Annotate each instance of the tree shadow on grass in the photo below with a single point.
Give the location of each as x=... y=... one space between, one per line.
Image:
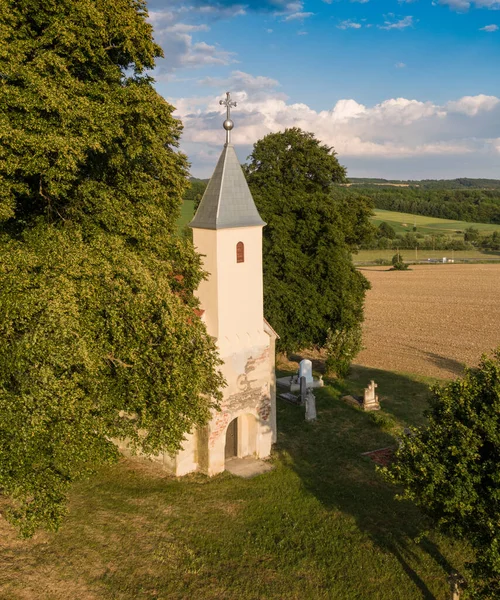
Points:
x=327 y=456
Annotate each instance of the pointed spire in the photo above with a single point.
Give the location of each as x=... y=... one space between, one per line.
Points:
x=227 y=201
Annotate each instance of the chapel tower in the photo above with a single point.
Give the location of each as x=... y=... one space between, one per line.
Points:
x=227 y=232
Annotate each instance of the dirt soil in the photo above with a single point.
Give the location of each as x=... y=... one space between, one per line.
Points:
x=432 y=319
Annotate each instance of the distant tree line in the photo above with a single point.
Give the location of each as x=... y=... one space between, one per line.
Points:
x=472 y=205
x=385 y=238
x=442 y=184
x=195 y=191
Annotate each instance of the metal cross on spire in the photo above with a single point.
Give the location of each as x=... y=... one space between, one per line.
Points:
x=228 y=124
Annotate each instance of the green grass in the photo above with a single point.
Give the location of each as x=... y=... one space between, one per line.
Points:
x=366 y=256
x=404 y=222
x=187 y=212
x=322 y=525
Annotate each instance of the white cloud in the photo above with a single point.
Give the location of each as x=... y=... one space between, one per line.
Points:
x=239 y=81
x=299 y=16
x=402 y=23
x=400 y=65
x=472 y=105
x=185 y=28
x=489 y=28
x=397 y=130
x=349 y=24
x=464 y=5
x=175 y=37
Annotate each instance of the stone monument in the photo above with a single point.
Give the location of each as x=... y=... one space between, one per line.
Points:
x=306 y=370
x=368 y=402
x=310 y=406
x=370 y=398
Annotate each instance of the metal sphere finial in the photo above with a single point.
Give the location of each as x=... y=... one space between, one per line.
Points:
x=228 y=124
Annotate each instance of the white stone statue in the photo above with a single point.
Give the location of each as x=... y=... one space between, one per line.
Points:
x=310 y=406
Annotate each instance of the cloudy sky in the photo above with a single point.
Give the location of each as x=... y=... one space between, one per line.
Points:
x=400 y=88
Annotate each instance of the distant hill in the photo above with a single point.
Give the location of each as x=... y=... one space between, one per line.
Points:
x=462 y=199
x=462 y=183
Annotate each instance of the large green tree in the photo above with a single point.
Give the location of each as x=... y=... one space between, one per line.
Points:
x=311 y=289
x=99 y=335
x=451 y=468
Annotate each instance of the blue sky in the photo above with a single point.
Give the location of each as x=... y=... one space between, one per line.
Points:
x=401 y=89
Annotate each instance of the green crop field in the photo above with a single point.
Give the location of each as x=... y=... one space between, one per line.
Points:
x=404 y=222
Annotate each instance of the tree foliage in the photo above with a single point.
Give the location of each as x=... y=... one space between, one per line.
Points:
x=450 y=468
x=195 y=192
x=99 y=336
x=385 y=230
x=398 y=263
x=310 y=285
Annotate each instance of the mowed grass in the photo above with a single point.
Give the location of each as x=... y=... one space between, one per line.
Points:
x=404 y=222
x=322 y=525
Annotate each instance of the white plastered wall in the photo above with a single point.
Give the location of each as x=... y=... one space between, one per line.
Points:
x=232 y=299
x=233 y=295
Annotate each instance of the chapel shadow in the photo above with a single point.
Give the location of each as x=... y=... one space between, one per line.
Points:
x=445 y=363
x=327 y=456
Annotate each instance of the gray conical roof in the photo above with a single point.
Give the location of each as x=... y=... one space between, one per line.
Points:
x=227 y=201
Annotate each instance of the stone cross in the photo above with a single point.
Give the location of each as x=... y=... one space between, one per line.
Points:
x=370 y=400
x=228 y=123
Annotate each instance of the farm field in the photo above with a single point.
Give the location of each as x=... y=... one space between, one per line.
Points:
x=431 y=319
x=404 y=222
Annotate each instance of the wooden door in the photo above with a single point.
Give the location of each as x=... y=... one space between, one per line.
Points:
x=231 y=449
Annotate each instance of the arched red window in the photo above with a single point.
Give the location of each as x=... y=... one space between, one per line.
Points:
x=240 y=252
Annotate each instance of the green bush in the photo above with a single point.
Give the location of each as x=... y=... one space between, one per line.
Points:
x=342 y=346
x=398 y=263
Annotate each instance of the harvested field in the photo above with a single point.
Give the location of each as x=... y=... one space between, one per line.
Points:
x=431 y=320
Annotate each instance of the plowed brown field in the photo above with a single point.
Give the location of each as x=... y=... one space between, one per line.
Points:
x=431 y=320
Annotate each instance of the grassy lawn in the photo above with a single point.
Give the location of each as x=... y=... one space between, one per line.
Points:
x=322 y=524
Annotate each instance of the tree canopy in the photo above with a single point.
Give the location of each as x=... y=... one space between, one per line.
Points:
x=311 y=288
x=385 y=230
x=99 y=334
x=450 y=468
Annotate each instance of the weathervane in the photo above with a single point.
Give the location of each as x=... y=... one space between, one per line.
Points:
x=228 y=124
